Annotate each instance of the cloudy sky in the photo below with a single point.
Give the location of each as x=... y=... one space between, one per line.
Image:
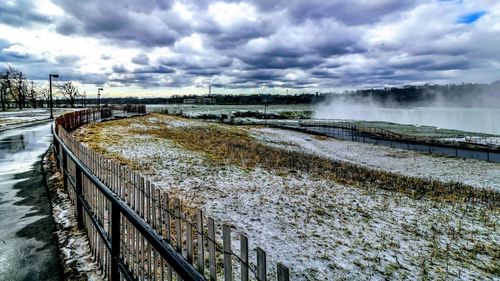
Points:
x=154 y=47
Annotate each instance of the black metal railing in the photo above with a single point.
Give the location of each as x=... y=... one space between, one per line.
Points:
x=111 y=236
x=136 y=230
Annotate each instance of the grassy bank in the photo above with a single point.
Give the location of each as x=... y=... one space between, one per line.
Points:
x=328 y=219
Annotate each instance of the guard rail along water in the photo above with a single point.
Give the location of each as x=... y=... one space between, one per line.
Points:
x=136 y=231
x=379 y=136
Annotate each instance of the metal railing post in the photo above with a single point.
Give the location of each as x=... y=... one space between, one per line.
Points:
x=65 y=169
x=115 y=242
x=79 y=192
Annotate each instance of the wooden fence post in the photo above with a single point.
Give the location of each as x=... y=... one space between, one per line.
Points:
x=199 y=239
x=178 y=225
x=189 y=242
x=211 y=250
x=166 y=217
x=244 y=257
x=283 y=272
x=261 y=265
x=228 y=266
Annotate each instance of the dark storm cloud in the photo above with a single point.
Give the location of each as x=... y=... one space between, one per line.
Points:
x=7 y=56
x=231 y=37
x=432 y=63
x=269 y=61
x=146 y=23
x=119 y=69
x=141 y=59
x=21 y=13
x=196 y=62
x=154 y=69
x=204 y=71
x=261 y=75
x=352 y=12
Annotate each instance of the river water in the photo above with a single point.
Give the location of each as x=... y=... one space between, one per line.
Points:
x=480 y=120
x=28 y=249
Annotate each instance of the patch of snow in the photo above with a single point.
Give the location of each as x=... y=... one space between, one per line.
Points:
x=73 y=243
x=472 y=172
x=326 y=231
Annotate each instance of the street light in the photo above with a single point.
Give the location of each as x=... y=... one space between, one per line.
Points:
x=99 y=97
x=50 y=89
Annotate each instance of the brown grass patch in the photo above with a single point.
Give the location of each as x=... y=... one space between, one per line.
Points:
x=223 y=144
x=320 y=137
x=93 y=136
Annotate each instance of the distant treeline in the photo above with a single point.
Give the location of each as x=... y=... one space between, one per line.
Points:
x=228 y=99
x=450 y=94
x=460 y=94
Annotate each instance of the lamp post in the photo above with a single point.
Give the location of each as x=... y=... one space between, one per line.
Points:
x=99 y=97
x=50 y=90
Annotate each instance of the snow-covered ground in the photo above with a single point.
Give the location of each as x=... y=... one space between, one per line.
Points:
x=492 y=141
x=73 y=244
x=469 y=171
x=323 y=230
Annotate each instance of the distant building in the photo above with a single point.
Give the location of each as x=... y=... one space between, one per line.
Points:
x=199 y=101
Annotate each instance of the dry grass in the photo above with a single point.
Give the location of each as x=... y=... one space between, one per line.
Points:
x=93 y=137
x=223 y=144
x=447 y=247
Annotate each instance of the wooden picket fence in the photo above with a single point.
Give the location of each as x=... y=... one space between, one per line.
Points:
x=215 y=251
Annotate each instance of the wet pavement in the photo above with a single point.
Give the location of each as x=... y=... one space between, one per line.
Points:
x=28 y=249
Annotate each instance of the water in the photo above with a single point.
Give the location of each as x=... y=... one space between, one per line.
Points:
x=480 y=120
x=217 y=109
x=28 y=248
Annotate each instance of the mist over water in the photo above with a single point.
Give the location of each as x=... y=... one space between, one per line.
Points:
x=472 y=119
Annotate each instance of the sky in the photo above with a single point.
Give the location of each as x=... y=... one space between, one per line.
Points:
x=165 y=47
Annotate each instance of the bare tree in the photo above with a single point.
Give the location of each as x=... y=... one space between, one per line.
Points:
x=44 y=94
x=32 y=95
x=16 y=85
x=3 y=90
x=70 y=92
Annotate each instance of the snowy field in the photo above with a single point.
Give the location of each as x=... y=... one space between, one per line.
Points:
x=321 y=229
x=477 y=173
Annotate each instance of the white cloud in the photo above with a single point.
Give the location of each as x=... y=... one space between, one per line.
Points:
x=232 y=14
x=256 y=43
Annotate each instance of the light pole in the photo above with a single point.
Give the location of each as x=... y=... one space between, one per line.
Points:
x=99 y=97
x=50 y=90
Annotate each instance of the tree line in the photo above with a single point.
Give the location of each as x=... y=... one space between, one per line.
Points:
x=464 y=94
x=16 y=91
